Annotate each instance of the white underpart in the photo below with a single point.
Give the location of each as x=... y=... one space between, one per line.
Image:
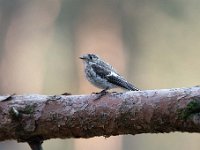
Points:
x=97 y=80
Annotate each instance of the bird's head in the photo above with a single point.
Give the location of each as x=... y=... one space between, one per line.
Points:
x=89 y=58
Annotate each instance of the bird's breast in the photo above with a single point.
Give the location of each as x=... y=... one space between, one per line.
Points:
x=96 y=80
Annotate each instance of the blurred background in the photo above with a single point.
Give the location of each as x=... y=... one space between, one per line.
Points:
x=154 y=44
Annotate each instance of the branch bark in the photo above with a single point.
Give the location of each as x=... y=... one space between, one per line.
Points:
x=81 y=116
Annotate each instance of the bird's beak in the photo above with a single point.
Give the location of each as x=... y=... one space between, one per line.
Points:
x=82 y=57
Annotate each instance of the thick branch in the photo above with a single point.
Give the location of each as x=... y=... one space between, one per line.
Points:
x=154 y=111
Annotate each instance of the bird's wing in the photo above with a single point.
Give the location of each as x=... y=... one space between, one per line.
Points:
x=119 y=81
x=100 y=71
x=113 y=77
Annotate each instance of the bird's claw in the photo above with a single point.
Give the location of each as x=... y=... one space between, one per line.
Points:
x=101 y=94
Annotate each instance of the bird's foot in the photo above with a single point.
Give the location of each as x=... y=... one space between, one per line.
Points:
x=101 y=94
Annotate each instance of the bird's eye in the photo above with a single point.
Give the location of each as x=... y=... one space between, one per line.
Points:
x=90 y=56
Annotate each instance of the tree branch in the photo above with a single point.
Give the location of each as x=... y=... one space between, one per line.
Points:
x=154 y=111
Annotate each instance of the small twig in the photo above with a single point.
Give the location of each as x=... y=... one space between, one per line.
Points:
x=66 y=93
x=7 y=98
x=35 y=143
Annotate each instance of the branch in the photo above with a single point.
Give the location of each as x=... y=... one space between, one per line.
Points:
x=81 y=116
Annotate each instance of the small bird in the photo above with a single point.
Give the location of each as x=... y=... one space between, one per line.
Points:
x=103 y=75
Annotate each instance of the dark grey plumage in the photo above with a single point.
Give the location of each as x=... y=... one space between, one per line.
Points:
x=103 y=75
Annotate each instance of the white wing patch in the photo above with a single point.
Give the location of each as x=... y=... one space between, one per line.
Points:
x=112 y=74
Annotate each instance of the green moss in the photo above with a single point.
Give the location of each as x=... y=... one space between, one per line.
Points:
x=192 y=108
x=29 y=109
x=17 y=113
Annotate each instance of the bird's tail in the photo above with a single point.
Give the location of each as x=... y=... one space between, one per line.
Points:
x=131 y=87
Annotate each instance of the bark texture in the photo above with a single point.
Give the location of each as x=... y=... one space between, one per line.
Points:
x=23 y=117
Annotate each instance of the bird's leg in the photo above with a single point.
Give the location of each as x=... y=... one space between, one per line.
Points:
x=102 y=93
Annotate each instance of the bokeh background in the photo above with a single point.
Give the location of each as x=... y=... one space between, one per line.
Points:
x=154 y=44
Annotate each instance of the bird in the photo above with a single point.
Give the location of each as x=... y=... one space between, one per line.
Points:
x=103 y=75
